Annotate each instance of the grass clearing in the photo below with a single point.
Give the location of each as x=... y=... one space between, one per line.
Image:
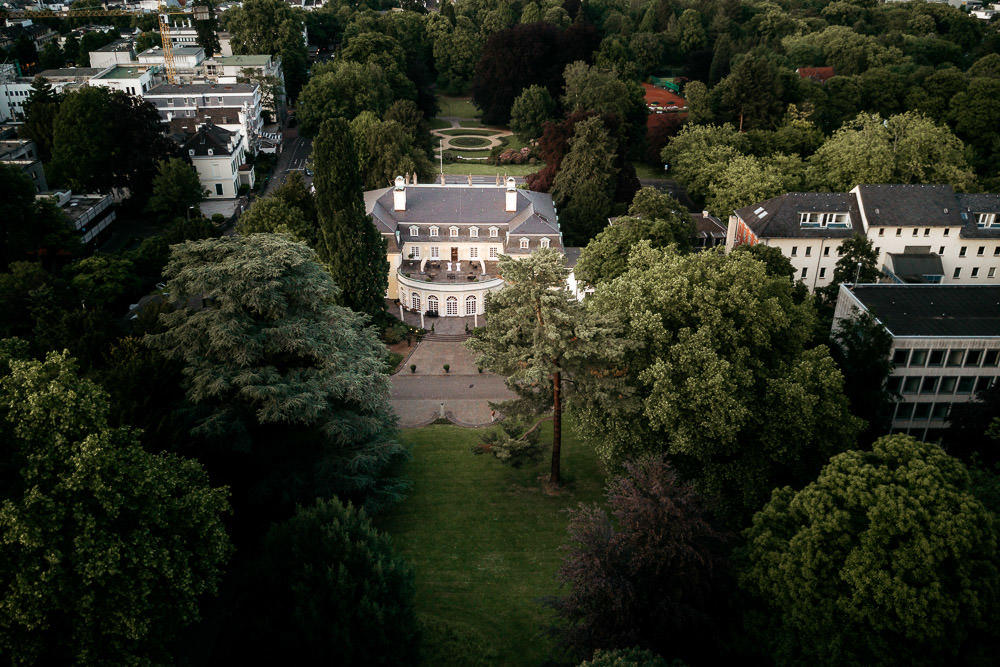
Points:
x=438 y=124
x=643 y=170
x=484 y=540
x=464 y=168
x=457 y=107
x=465 y=153
x=470 y=123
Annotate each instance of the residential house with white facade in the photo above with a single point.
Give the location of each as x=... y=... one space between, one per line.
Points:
x=945 y=346
x=444 y=241
x=921 y=233
x=219 y=156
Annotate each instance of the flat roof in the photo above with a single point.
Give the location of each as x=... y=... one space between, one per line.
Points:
x=933 y=310
x=124 y=73
x=243 y=60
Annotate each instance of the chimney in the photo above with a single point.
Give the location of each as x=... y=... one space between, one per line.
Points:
x=511 y=195
x=399 y=194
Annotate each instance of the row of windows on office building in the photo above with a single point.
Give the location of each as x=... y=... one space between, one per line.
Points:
x=937 y=384
x=922 y=411
x=954 y=358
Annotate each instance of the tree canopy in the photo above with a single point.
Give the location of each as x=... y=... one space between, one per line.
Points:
x=887 y=558
x=717 y=375
x=106 y=549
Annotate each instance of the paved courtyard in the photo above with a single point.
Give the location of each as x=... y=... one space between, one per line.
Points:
x=464 y=393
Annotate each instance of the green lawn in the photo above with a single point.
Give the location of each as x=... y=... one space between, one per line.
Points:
x=484 y=541
x=489 y=169
x=457 y=107
x=470 y=123
x=438 y=124
x=466 y=153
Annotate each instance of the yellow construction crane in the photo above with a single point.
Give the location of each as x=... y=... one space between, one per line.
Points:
x=200 y=13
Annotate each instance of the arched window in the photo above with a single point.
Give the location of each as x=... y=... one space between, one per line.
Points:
x=415 y=301
x=524 y=244
x=544 y=243
x=493 y=232
x=453 y=232
x=413 y=230
x=474 y=232
x=434 y=231
x=470 y=305
x=432 y=304
x=452 y=306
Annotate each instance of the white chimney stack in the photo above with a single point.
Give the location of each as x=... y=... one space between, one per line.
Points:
x=511 y=195
x=399 y=194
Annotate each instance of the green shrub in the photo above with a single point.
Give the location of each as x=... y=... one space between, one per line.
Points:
x=392 y=361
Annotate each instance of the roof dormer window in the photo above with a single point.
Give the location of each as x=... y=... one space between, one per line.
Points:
x=494 y=231
x=524 y=244
x=544 y=243
x=453 y=232
x=434 y=231
x=812 y=220
x=413 y=230
x=987 y=220
x=474 y=232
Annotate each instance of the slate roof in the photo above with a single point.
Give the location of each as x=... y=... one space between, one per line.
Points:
x=464 y=206
x=971 y=204
x=211 y=136
x=909 y=205
x=934 y=310
x=779 y=217
x=572 y=256
x=706 y=226
x=202 y=89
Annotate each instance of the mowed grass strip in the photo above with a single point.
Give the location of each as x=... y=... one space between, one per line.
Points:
x=464 y=168
x=484 y=540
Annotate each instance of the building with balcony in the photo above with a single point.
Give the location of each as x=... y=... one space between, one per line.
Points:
x=945 y=346
x=90 y=215
x=232 y=106
x=921 y=233
x=444 y=241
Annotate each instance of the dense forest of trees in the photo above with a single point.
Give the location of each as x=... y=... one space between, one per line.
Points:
x=199 y=425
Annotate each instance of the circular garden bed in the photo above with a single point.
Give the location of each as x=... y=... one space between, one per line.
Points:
x=470 y=142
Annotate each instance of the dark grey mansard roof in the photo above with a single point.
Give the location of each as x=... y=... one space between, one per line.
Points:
x=463 y=206
x=978 y=203
x=779 y=217
x=934 y=310
x=910 y=205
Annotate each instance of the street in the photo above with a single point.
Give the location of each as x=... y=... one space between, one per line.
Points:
x=293 y=158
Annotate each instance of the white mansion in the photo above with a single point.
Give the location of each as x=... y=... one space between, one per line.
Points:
x=443 y=241
x=921 y=233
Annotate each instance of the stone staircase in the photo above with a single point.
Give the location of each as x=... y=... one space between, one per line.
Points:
x=445 y=338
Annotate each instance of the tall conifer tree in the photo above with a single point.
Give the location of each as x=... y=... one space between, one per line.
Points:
x=349 y=245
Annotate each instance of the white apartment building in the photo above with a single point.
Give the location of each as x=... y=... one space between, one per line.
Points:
x=219 y=157
x=183 y=33
x=945 y=346
x=921 y=233
x=14 y=91
x=235 y=107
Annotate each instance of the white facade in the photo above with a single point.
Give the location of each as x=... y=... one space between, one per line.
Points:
x=969 y=252
x=132 y=80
